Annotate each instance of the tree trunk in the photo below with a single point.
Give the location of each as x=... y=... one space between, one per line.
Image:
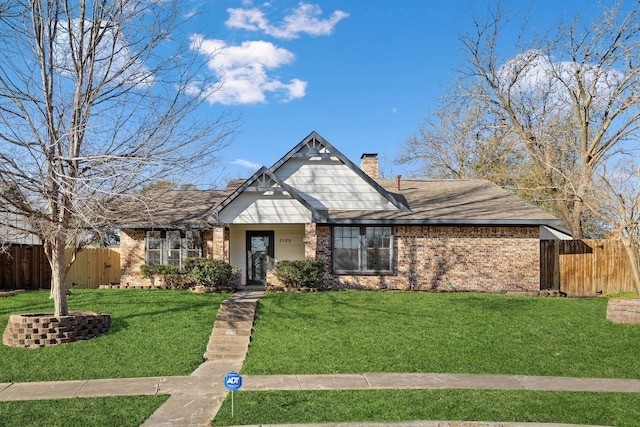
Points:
x=635 y=271
x=58 y=273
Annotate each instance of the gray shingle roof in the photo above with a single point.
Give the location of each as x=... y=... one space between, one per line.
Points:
x=177 y=208
x=432 y=202
x=451 y=202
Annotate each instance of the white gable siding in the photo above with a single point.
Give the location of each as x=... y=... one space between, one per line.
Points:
x=330 y=184
x=256 y=208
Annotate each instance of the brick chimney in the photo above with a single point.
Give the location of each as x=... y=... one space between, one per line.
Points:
x=369 y=164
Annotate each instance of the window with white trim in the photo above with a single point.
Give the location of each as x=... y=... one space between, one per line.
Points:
x=172 y=247
x=362 y=249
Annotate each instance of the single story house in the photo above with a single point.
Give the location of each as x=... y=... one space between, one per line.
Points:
x=314 y=203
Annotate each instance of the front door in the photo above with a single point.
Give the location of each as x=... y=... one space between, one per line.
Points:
x=259 y=255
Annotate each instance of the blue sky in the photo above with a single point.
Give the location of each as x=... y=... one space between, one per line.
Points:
x=361 y=73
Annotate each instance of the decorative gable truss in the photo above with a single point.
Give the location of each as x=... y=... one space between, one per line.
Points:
x=330 y=181
x=314 y=147
x=265 y=199
x=311 y=180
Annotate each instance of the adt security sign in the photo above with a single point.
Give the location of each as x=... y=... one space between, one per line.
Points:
x=232 y=381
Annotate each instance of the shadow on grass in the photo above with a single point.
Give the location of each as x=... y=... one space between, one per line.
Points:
x=314 y=307
x=478 y=302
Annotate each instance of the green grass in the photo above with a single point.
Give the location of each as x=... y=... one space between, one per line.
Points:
x=152 y=333
x=106 y=411
x=280 y=407
x=356 y=331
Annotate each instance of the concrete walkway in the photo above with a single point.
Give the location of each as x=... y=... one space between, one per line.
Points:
x=196 y=399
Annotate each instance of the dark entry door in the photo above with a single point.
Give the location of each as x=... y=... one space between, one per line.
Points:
x=259 y=255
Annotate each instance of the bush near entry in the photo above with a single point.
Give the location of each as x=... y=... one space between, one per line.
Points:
x=170 y=274
x=208 y=272
x=300 y=273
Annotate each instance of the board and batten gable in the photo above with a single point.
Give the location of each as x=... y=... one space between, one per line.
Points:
x=328 y=184
x=264 y=199
x=257 y=208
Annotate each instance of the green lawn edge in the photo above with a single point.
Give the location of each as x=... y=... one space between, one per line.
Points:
x=122 y=411
x=474 y=333
x=304 y=407
x=152 y=333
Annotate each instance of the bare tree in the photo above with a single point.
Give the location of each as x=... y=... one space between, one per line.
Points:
x=568 y=103
x=456 y=142
x=96 y=100
x=615 y=199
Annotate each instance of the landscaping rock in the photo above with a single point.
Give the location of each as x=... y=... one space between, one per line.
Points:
x=43 y=330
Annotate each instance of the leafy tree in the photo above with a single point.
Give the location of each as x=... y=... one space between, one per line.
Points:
x=96 y=101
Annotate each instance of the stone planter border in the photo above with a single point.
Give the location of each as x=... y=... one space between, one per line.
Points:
x=6 y=294
x=624 y=311
x=42 y=330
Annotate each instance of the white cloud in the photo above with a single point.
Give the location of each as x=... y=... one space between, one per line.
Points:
x=538 y=74
x=247 y=164
x=113 y=59
x=305 y=19
x=242 y=70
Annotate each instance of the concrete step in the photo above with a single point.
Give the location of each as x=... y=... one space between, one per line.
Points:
x=215 y=347
x=246 y=317
x=224 y=356
x=248 y=304
x=232 y=324
x=236 y=309
x=238 y=305
x=231 y=339
x=231 y=332
x=245 y=313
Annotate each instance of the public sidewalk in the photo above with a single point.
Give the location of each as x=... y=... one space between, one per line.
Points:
x=196 y=398
x=208 y=378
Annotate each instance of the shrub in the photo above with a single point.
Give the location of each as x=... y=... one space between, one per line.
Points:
x=170 y=274
x=209 y=272
x=300 y=273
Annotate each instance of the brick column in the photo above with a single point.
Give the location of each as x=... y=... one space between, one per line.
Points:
x=132 y=256
x=220 y=243
x=310 y=241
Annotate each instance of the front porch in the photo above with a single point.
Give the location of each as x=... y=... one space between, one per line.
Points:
x=255 y=248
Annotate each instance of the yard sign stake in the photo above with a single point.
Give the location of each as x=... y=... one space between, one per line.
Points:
x=232 y=382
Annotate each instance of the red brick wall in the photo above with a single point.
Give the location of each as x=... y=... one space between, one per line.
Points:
x=428 y=258
x=216 y=243
x=132 y=257
x=310 y=241
x=442 y=258
x=132 y=253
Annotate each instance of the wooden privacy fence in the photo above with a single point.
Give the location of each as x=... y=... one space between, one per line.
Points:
x=94 y=267
x=585 y=267
x=26 y=267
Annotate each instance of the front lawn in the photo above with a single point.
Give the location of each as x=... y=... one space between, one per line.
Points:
x=122 y=411
x=359 y=331
x=387 y=406
x=152 y=333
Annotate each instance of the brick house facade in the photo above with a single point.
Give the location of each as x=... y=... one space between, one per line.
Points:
x=369 y=232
